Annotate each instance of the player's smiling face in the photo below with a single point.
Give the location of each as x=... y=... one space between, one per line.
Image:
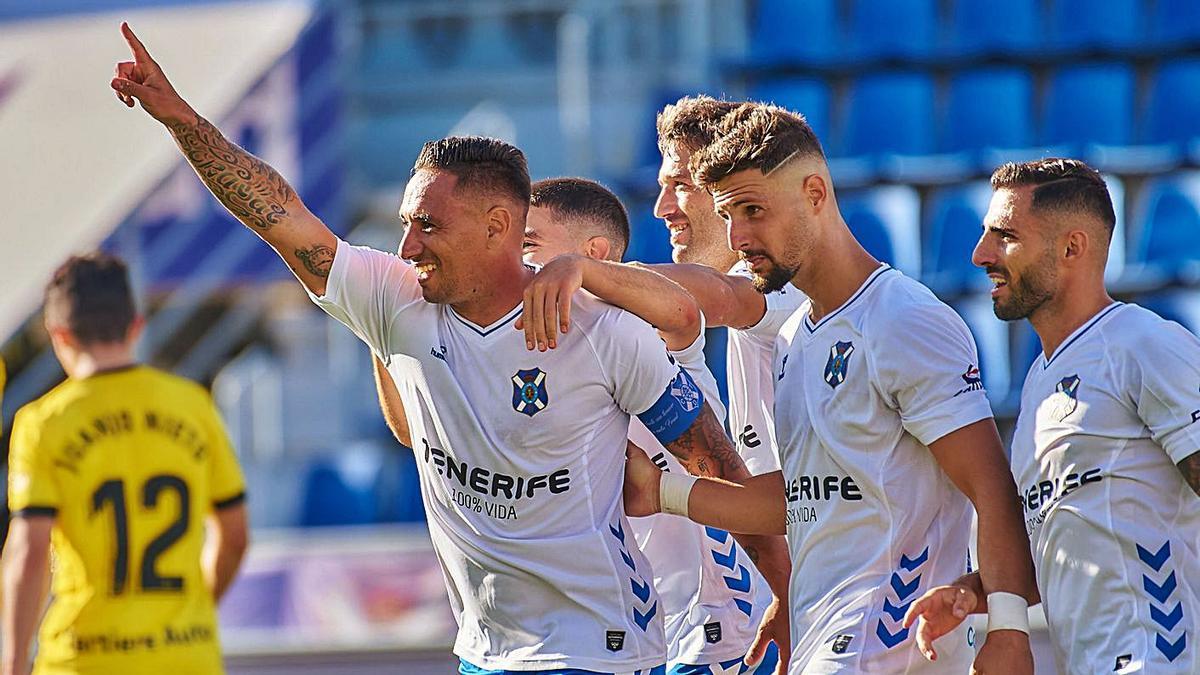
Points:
x=443 y=237
x=697 y=232
x=1017 y=252
x=767 y=224
x=546 y=237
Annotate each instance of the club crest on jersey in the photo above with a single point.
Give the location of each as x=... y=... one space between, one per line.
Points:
x=529 y=392
x=1066 y=397
x=685 y=391
x=839 y=360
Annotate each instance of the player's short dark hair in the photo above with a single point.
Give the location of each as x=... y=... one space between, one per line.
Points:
x=690 y=122
x=486 y=164
x=754 y=136
x=585 y=200
x=90 y=296
x=1060 y=184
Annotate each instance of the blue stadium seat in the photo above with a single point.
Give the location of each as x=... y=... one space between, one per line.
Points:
x=1090 y=104
x=987 y=27
x=1089 y=25
x=1173 y=114
x=904 y=29
x=887 y=222
x=955 y=222
x=805 y=96
x=342 y=490
x=648 y=240
x=992 y=341
x=1167 y=215
x=1174 y=22
x=795 y=31
x=989 y=108
x=890 y=113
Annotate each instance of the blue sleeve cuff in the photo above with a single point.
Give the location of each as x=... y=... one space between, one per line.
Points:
x=675 y=411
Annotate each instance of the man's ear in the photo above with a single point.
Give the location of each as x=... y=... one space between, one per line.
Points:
x=499 y=220
x=1077 y=245
x=816 y=192
x=597 y=248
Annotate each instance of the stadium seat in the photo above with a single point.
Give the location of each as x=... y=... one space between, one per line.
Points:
x=1167 y=217
x=989 y=108
x=648 y=240
x=886 y=220
x=1174 y=22
x=795 y=32
x=1173 y=113
x=1090 y=103
x=986 y=27
x=954 y=226
x=342 y=490
x=889 y=113
x=805 y=96
x=992 y=341
x=1085 y=26
x=898 y=29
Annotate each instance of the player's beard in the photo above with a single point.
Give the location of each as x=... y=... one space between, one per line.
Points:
x=1027 y=293
x=775 y=278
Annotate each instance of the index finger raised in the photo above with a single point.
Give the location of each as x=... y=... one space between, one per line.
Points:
x=140 y=55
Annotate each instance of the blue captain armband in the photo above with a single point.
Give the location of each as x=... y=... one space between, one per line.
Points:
x=675 y=411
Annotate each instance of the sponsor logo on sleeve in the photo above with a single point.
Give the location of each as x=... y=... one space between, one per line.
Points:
x=972 y=379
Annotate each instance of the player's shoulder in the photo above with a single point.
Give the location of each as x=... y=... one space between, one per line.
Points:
x=1130 y=329
x=180 y=386
x=899 y=302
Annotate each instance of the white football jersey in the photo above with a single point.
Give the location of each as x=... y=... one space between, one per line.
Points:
x=521 y=461
x=872 y=521
x=1113 y=527
x=749 y=355
x=712 y=595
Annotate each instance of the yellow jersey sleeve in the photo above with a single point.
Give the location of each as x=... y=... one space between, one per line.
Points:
x=225 y=475
x=32 y=487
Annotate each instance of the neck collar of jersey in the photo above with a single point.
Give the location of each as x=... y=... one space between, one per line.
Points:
x=484 y=331
x=1078 y=333
x=812 y=327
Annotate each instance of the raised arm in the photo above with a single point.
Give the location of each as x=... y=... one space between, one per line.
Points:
x=650 y=296
x=726 y=299
x=390 y=403
x=250 y=189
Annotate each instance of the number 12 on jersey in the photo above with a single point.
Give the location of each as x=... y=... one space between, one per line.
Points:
x=112 y=492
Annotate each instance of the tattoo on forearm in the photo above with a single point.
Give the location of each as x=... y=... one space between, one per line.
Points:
x=1190 y=468
x=252 y=191
x=317 y=259
x=705 y=450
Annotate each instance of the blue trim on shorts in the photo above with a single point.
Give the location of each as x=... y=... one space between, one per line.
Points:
x=467 y=668
x=766 y=667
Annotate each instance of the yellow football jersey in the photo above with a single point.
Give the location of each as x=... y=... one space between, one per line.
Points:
x=129 y=462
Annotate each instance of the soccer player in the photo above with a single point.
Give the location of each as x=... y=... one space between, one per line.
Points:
x=712 y=596
x=117 y=470
x=698 y=237
x=884 y=430
x=1106 y=450
x=520 y=454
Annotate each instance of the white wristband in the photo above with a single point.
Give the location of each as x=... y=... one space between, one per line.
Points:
x=673 y=492
x=1007 y=611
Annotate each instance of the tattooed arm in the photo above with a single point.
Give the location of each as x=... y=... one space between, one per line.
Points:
x=1190 y=468
x=705 y=450
x=250 y=189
